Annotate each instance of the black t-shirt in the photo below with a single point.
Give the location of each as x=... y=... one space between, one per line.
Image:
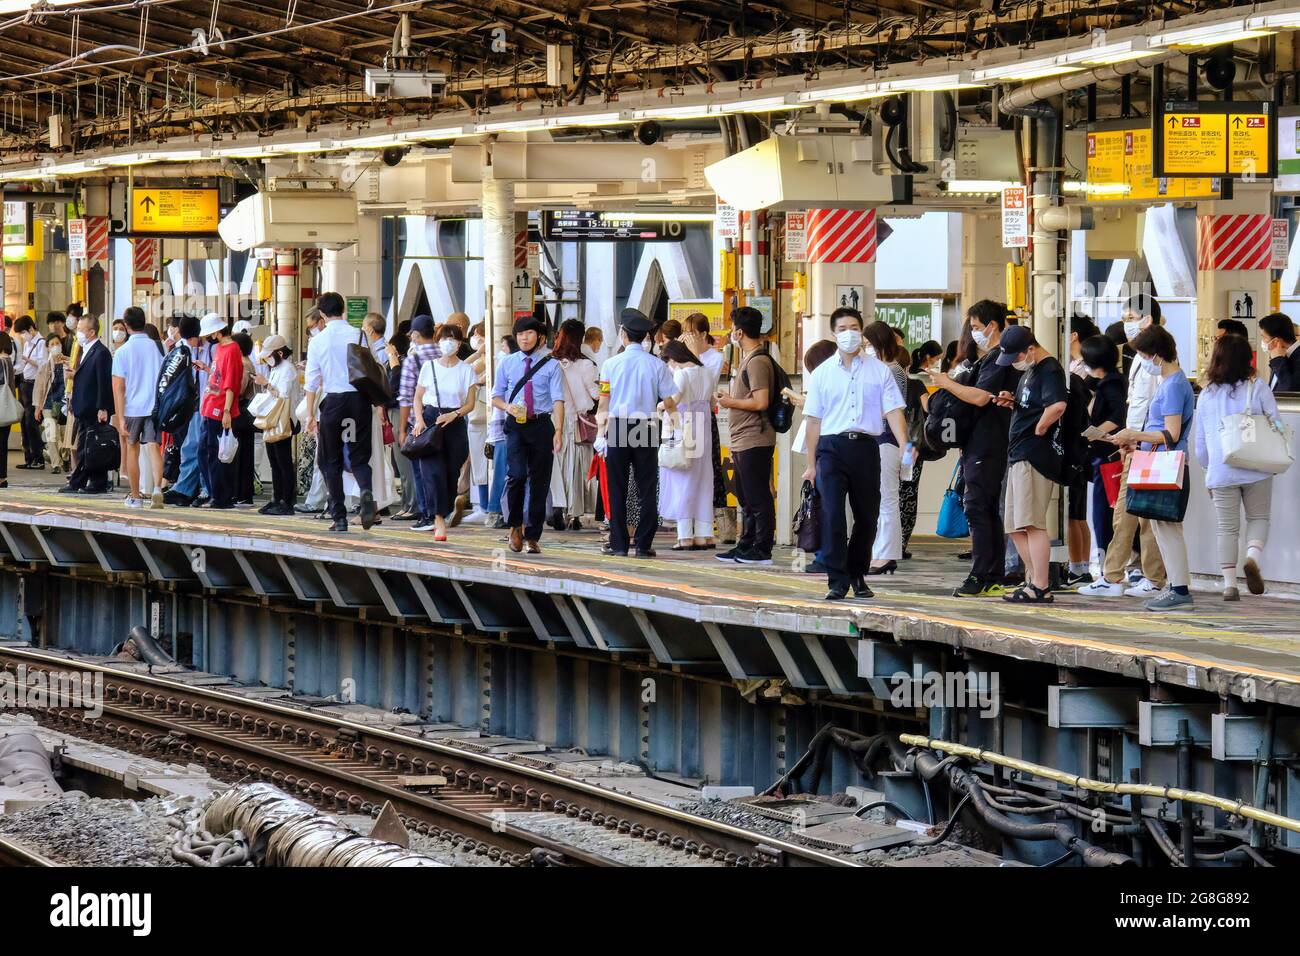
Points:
x=989 y=436
x=1040 y=387
x=1109 y=404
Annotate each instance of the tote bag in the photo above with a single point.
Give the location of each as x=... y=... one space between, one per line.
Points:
x=808 y=520
x=672 y=447
x=1256 y=442
x=11 y=411
x=952 y=521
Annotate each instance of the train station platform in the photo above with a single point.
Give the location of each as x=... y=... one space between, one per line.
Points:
x=689 y=612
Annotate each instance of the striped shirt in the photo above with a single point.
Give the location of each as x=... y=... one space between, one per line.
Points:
x=411 y=365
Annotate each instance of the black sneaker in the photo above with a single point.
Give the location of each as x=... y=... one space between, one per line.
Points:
x=1073 y=580
x=727 y=555
x=754 y=556
x=836 y=594
x=177 y=498
x=339 y=524
x=815 y=567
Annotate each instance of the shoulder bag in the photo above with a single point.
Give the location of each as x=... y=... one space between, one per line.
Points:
x=952 y=521
x=11 y=411
x=429 y=442
x=1256 y=442
x=672 y=447
x=808 y=520
x=366 y=375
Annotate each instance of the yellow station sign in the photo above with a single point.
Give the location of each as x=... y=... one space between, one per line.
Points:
x=175 y=212
x=1215 y=138
x=1119 y=169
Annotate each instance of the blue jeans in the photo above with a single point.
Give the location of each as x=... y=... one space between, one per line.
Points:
x=498 y=477
x=191 y=478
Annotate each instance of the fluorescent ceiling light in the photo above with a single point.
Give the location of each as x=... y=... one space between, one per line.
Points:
x=972 y=186
x=1096 y=189
x=633 y=216
x=310 y=146
x=1029 y=69
x=594 y=119
x=679 y=111
x=1274 y=21
x=761 y=104
x=1208 y=34
x=24 y=175
x=838 y=94
x=513 y=125
x=1101 y=54
x=926 y=84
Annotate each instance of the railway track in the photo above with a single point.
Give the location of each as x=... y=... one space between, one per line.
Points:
x=15 y=854
x=345 y=766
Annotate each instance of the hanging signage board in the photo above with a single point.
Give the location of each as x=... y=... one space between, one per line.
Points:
x=17 y=224
x=1281 y=244
x=77 y=238
x=796 y=236
x=1119 y=169
x=175 y=212
x=920 y=319
x=587 y=225
x=727 y=221
x=358 y=306
x=1015 y=217
x=1215 y=138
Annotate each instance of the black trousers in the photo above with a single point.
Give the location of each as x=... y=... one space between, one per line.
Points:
x=758 y=507
x=982 y=504
x=633 y=450
x=219 y=476
x=344 y=421
x=441 y=472
x=33 y=443
x=81 y=477
x=530 y=455
x=284 y=482
x=848 y=466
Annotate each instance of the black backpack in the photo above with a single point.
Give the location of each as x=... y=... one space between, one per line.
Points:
x=949 y=422
x=177 y=395
x=780 y=410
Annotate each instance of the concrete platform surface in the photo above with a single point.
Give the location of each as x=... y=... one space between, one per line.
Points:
x=1213 y=646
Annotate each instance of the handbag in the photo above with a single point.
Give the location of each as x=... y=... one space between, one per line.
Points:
x=584 y=427
x=100 y=449
x=952 y=521
x=366 y=375
x=1157 y=470
x=1158 y=504
x=387 y=426
x=262 y=404
x=428 y=442
x=1110 y=472
x=227 y=447
x=276 y=425
x=1256 y=442
x=672 y=450
x=808 y=520
x=11 y=411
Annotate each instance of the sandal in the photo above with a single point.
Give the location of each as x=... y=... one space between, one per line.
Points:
x=683 y=547
x=1028 y=594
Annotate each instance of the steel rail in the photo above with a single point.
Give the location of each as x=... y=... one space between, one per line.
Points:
x=174 y=705
x=15 y=854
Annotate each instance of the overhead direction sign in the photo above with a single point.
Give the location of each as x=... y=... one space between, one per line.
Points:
x=175 y=212
x=1119 y=169
x=1215 y=138
x=586 y=225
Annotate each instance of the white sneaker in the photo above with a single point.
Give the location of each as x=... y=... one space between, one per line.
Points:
x=1101 y=588
x=426 y=525
x=132 y=502
x=1143 y=588
x=1134 y=575
x=475 y=517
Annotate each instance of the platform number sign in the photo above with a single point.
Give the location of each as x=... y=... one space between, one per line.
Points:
x=1015 y=217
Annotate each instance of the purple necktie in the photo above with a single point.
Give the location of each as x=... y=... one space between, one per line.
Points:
x=528 y=386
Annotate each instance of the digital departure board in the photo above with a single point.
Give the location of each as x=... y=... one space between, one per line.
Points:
x=1215 y=138
x=1119 y=169
x=586 y=225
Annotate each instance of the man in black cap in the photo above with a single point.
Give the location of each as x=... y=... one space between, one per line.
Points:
x=632 y=384
x=530 y=390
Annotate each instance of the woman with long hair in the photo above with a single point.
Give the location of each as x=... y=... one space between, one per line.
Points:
x=1231 y=388
x=887 y=550
x=923 y=358
x=686 y=494
x=570 y=490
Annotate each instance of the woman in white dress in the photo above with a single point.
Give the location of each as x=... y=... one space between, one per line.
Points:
x=686 y=494
x=571 y=492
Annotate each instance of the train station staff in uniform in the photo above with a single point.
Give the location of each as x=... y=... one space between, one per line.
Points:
x=529 y=388
x=345 y=415
x=850 y=399
x=632 y=384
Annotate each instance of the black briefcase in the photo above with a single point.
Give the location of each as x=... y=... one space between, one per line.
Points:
x=100 y=449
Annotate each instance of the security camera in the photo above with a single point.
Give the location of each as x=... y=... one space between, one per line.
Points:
x=1220 y=69
x=649 y=133
x=392 y=155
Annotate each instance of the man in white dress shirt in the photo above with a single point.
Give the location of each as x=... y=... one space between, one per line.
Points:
x=344 y=413
x=850 y=399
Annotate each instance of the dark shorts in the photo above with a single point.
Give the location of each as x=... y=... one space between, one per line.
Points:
x=1077 y=501
x=141 y=430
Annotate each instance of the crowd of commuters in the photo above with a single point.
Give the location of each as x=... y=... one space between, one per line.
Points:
x=563 y=430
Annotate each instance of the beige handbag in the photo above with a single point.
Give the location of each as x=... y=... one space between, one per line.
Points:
x=275 y=424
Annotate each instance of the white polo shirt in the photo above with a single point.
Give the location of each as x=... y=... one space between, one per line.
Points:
x=852 y=399
x=137 y=362
x=635 y=382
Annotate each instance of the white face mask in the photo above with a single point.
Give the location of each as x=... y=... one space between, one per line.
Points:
x=312 y=331
x=81 y=337
x=646 y=343
x=1024 y=366
x=871 y=350
x=448 y=347
x=1150 y=365
x=848 y=340
x=272 y=361
x=55 y=348
x=1132 y=328
x=119 y=336
x=476 y=342
x=980 y=337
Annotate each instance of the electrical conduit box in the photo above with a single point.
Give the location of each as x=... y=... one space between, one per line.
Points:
x=804 y=171
x=292 y=218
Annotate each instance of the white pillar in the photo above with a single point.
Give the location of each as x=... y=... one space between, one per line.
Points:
x=286 y=294
x=498 y=253
x=983 y=260
x=1214 y=287
x=828 y=282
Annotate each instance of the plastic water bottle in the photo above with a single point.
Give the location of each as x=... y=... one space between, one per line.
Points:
x=908 y=460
